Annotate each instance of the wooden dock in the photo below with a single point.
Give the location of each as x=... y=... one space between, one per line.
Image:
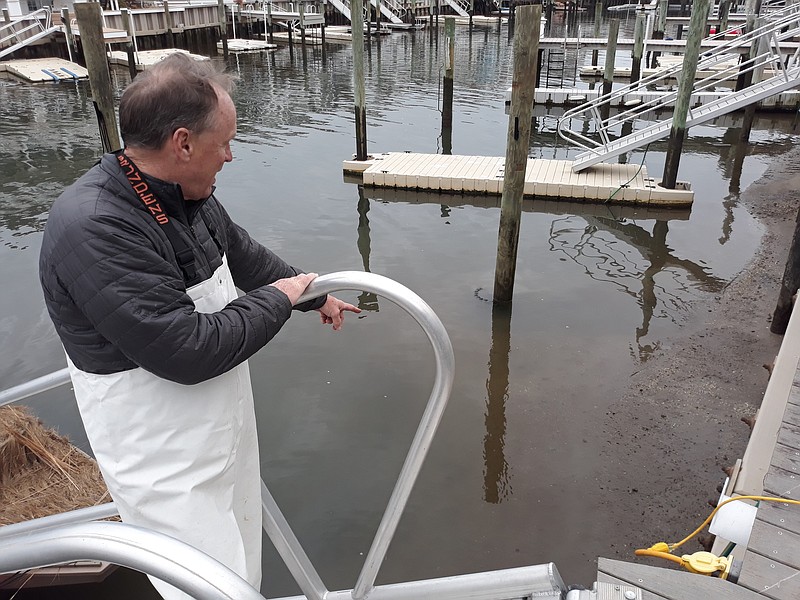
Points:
x=544 y=178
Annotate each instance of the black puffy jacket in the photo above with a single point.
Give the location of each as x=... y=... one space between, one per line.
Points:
x=115 y=292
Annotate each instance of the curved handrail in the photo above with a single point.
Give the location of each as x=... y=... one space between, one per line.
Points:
x=417 y=308
x=281 y=536
x=162 y=556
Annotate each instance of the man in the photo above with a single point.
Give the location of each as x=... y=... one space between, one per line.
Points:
x=138 y=267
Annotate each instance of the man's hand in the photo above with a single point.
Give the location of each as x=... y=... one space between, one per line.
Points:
x=295 y=286
x=332 y=312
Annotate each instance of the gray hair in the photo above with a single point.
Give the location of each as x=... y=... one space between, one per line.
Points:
x=177 y=92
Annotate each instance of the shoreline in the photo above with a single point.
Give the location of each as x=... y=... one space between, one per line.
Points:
x=679 y=421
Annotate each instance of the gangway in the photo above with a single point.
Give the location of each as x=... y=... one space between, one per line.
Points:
x=75 y=535
x=391 y=9
x=774 y=71
x=25 y=30
x=461 y=7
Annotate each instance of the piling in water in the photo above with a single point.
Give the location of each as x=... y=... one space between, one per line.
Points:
x=526 y=47
x=447 y=85
x=90 y=22
x=357 y=29
x=611 y=54
x=685 y=87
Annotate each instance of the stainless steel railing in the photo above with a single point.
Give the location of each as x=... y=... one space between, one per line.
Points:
x=134 y=547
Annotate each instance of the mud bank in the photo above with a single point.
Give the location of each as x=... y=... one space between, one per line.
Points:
x=678 y=425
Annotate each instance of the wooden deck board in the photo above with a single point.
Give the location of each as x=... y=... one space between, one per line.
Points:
x=546 y=178
x=769 y=578
x=670 y=584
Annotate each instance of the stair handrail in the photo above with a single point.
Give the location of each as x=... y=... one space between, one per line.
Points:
x=35 y=16
x=788 y=19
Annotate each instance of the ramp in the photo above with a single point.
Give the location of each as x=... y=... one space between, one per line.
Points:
x=25 y=30
x=606 y=139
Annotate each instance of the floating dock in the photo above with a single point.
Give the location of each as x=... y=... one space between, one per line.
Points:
x=37 y=70
x=148 y=58
x=241 y=45
x=544 y=178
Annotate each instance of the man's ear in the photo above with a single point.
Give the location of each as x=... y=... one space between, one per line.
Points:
x=182 y=144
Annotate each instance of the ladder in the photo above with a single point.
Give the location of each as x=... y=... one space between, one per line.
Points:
x=25 y=30
x=772 y=70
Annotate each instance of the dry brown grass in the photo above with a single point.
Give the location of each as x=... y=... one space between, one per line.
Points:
x=41 y=472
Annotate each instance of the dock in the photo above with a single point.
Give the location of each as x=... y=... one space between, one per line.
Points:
x=544 y=178
x=148 y=58
x=37 y=70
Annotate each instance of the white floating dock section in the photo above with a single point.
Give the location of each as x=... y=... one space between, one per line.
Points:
x=148 y=58
x=544 y=178
x=44 y=69
x=241 y=45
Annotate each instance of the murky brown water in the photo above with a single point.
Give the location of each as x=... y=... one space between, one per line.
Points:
x=599 y=289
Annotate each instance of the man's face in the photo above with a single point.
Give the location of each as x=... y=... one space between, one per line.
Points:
x=211 y=149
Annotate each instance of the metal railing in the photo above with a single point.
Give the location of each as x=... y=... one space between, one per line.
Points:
x=15 y=34
x=543 y=581
x=779 y=26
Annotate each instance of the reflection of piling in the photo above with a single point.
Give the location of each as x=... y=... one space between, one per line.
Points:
x=685 y=86
x=638 y=45
x=130 y=49
x=789 y=285
x=447 y=85
x=526 y=46
x=357 y=29
x=90 y=22
x=495 y=477
x=223 y=26
x=598 y=15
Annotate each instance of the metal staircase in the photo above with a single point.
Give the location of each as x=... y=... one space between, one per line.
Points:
x=775 y=69
x=391 y=9
x=25 y=30
x=460 y=6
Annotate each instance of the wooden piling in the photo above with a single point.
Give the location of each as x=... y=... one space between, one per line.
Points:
x=357 y=29
x=611 y=55
x=447 y=85
x=789 y=285
x=169 y=24
x=6 y=16
x=90 y=22
x=302 y=11
x=130 y=47
x=723 y=14
x=685 y=87
x=72 y=48
x=471 y=11
x=223 y=27
x=598 y=17
x=659 y=27
x=526 y=46
x=269 y=21
x=638 y=45
x=378 y=18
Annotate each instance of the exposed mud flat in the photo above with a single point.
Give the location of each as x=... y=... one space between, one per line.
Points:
x=678 y=425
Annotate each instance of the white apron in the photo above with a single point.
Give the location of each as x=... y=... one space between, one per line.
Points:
x=182 y=459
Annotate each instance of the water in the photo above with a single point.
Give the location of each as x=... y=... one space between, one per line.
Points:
x=510 y=477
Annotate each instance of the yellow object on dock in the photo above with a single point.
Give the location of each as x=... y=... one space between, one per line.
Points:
x=45 y=69
x=550 y=178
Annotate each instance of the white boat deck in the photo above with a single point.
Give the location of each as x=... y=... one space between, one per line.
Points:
x=545 y=178
x=44 y=69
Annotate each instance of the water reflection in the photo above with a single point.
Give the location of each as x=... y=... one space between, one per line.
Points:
x=366 y=300
x=496 y=481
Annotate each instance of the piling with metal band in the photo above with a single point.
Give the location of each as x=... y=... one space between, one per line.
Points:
x=447 y=85
x=598 y=16
x=685 y=87
x=526 y=47
x=90 y=23
x=357 y=29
